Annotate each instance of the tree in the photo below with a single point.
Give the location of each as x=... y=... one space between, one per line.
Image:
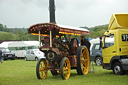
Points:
x=97 y=31
x=1 y=27
x=8 y=36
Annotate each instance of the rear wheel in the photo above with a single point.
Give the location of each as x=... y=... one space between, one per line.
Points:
x=98 y=61
x=65 y=68
x=36 y=59
x=83 y=60
x=117 y=69
x=41 y=69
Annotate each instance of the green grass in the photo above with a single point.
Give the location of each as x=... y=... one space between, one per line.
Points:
x=20 y=72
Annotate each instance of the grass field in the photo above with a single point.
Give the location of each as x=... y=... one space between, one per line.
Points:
x=20 y=72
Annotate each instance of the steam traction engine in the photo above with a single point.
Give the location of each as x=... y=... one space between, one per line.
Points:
x=62 y=53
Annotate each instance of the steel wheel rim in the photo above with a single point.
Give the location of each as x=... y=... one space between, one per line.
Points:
x=117 y=69
x=98 y=61
x=84 y=61
x=43 y=69
x=66 y=69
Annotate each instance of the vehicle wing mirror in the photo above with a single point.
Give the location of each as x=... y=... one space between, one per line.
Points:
x=103 y=47
x=108 y=35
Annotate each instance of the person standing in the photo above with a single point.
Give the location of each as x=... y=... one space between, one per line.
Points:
x=86 y=43
x=0 y=56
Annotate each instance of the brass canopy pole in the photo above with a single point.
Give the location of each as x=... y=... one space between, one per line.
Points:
x=50 y=38
x=39 y=40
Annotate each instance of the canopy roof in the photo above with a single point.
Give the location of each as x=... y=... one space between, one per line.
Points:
x=44 y=28
x=118 y=21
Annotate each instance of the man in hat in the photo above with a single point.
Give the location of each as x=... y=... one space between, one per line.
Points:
x=86 y=43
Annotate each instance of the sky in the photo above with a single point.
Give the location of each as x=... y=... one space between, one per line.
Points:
x=77 y=13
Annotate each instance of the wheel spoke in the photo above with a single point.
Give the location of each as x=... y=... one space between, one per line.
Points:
x=41 y=69
x=41 y=63
x=86 y=59
x=82 y=60
x=84 y=52
x=84 y=69
x=64 y=69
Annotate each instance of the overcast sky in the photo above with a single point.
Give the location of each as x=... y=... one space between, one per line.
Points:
x=90 y=13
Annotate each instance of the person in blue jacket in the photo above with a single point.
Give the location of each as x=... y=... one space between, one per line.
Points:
x=0 y=56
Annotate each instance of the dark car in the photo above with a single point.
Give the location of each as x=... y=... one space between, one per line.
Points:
x=96 y=53
x=6 y=54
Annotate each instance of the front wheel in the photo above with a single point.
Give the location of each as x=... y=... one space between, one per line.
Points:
x=117 y=69
x=65 y=68
x=83 y=60
x=41 y=69
x=98 y=61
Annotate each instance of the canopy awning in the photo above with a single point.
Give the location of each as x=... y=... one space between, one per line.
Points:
x=44 y=28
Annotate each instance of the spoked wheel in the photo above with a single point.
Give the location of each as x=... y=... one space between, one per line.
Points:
x=83 y=60
x=65 y=68
x=41 y=69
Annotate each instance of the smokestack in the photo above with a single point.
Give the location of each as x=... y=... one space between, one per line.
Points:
x=52 y=11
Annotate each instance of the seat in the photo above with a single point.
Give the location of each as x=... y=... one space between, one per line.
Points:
x=46 y=42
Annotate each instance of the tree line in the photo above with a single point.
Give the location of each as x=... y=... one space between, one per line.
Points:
x=21 y=33
x=96 y=31
x=15 y=34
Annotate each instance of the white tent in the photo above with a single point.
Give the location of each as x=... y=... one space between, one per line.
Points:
x=4 y=44
x=19 y=44
x=23 y=43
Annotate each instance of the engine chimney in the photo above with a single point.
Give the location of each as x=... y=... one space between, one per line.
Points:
x=52 y=11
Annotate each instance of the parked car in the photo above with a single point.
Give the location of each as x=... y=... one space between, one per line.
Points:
x=34 y=54
x=6 y=54
x=96 y=53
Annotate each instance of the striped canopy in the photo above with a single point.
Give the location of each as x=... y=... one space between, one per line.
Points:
x=45 y=28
